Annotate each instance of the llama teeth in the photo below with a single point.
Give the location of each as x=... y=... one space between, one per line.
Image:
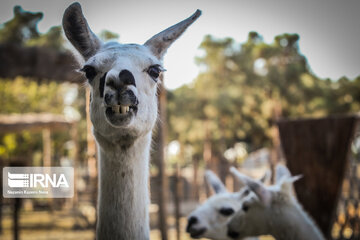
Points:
x=123 y=109
x=116 y=108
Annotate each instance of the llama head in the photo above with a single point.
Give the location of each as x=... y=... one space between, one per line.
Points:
x=211 y=218
x=123 y=77
x=256 y=213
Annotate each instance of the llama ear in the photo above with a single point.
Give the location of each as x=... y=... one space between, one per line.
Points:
x=233 y=171
x=286 y=184
x=159 y=43
x=254 y=185
x=215 y=182
x=267 y=176
x=78 y=31
x=281 y=172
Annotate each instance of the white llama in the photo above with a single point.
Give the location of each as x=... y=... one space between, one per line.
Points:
x=275 y=211
x=210 y=219
x=123 y=109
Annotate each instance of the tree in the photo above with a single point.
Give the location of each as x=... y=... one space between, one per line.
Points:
x=244 y=88
x=21 y=28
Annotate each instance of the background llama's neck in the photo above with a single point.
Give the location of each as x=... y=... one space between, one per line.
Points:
x=292 y=223
x=123 y=191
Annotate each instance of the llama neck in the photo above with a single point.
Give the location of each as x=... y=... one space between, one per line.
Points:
x=292 y=223
x=123 y=192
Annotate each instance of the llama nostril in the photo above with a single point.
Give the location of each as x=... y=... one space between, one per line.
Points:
x=232 y=234
x=192 y=220
x=127 y=98
x=127 y=78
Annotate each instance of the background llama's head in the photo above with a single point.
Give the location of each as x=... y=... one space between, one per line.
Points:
x=211 y=218
x=255 y=214
x=123 y=77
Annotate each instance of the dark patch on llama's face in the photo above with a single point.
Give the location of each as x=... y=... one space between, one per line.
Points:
x=102 y=85
x=127 y=78
x=226 y=211
x=90 y=72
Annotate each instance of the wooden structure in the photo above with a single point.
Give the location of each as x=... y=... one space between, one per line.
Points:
x=33 y=122
x=318 y=149
x=36 y=122
x=39 y=63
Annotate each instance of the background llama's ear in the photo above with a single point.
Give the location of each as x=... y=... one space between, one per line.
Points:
x=233 y=171
x=78 y=31
x=286 y=183
x=254 y=185
x=282 y=172
x=159 y=43
x=215 y=182
x=266 y=178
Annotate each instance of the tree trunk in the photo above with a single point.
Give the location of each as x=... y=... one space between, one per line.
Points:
x=177 y=200
x=160 y=162
x=318 y=149
x=91 y=157
x=16 y=216
x=75 y=156
x=207 y=155
x=2 y=164
x=46 y=137
x=195 y=185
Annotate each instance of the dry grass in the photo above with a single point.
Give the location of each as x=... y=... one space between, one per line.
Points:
x=58 y=225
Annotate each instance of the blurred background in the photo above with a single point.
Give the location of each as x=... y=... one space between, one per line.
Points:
x=249 y=85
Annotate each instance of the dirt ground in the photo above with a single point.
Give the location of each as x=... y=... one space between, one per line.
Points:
x=59 y=225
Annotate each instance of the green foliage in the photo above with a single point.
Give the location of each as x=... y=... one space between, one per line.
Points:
x=243 y=89
x=22 y=95
x=240 y=93
x=52 y=39
x=26 y=95
x=21 y=28
x=106 y=35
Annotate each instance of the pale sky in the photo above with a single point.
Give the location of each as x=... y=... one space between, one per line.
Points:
x=329 y=29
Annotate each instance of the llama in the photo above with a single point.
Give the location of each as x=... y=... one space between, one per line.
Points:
x=210 y=219
x=123 y=81
x=274 y=211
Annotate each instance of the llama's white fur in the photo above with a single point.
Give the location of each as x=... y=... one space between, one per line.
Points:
x=275 y=211
x=211 y=223
x=123 y=141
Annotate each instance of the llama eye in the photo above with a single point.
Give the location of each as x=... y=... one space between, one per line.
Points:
x=89 y=71
x=246 y=192
x=226 y=211
x=154 y=71
x=245 y=208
